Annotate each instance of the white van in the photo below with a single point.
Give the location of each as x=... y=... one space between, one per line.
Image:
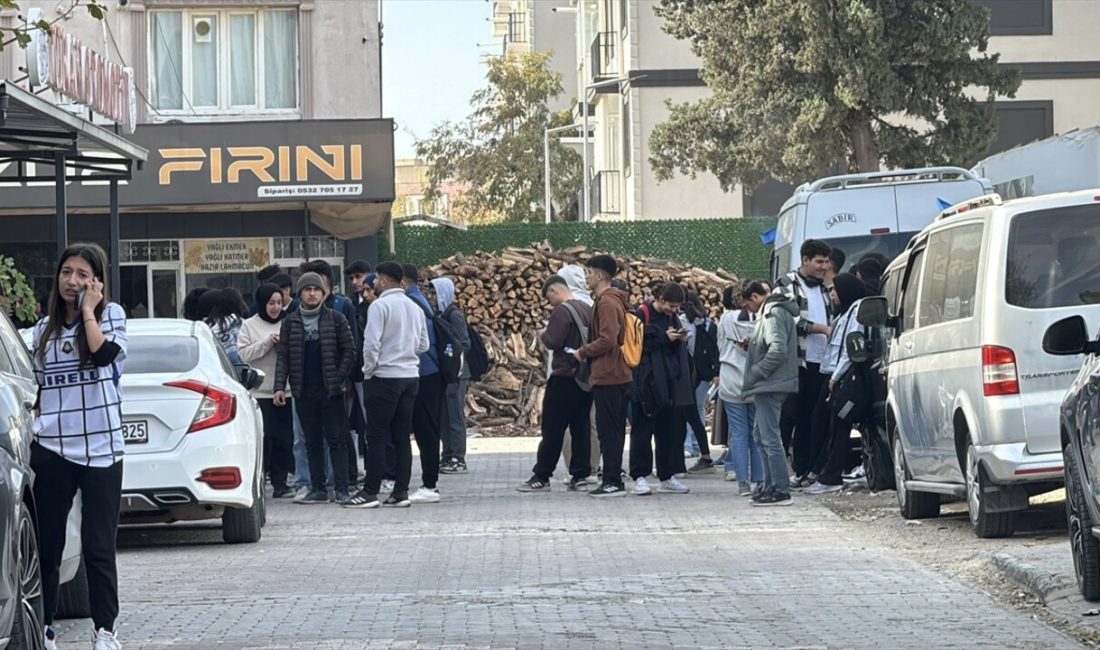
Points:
x=972 y=400
x=868 y=213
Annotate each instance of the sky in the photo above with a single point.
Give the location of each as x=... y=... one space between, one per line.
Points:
x=431 y=63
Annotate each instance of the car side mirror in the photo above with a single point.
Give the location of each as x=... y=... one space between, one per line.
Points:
x=872 y=312
x=251 y=378
x=856 y=345
x=1067 y=337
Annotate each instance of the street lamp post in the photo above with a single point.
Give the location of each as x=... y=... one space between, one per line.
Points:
x=546 y=163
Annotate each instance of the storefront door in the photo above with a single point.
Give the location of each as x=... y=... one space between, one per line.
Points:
x=151 y=290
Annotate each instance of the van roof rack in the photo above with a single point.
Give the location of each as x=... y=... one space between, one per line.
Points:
x=972 y=204
x=922 y=175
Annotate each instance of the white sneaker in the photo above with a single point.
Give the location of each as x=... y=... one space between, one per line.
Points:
x=105 y=640
x=387 y=487
x=730 y=476
x=641 y=487
x=50 y=638
x=672 y=486
x=425 y=495
x=821 y=488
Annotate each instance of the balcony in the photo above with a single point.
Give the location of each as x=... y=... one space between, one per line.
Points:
x=517 y=27
x=603 y=57
x=607 y=193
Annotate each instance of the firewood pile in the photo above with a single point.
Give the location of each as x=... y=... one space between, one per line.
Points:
x=501 y=294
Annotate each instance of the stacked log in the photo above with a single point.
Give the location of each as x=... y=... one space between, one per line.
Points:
x=501 y=294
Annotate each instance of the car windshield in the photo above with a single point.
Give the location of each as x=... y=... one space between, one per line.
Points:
x=161 y=354
x=856 y=248
x=1052 y=260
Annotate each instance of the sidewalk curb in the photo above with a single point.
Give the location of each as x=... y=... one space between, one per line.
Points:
x=1043 y=584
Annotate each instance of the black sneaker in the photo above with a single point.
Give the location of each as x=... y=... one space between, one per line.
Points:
x=342 y=498
x=608 y=490
x=577 y=484
x=282 y=492
x=701 y=465
x=397 y=501
x=459 y=467
x=759 y=493
x=447 y=467
x=534 y=484
x=773 y=499
x=362 y=499
x=313 y=497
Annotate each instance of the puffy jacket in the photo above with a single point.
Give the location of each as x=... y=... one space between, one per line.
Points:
x=773 y=363
x=337 y=352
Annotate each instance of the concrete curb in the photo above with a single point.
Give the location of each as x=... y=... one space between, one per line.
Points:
x=1043 y=584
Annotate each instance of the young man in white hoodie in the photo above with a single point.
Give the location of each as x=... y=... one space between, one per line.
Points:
x=578 y=286
x=395 y=337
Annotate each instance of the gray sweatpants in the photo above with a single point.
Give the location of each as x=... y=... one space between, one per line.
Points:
x=454 y=421
x=770 y=441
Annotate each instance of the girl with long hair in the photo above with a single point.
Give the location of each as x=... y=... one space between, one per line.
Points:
x=79 y=350
x=225 y=320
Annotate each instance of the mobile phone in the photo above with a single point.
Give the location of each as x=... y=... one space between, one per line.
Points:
x=80 y=300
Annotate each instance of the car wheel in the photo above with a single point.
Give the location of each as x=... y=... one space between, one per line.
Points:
x=1083 y=544
x=876 y=462
x=913 y=505
x=26 y=633
x=72 y=598
x=987 y=525
x=243 y=525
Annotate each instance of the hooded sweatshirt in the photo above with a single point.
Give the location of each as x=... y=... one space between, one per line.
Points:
x=449 y=311
x=575 y=280
x=604 y=338
x=773 y=362
x=735 y=326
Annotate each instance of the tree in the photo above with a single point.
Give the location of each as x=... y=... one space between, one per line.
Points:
x=801 y=86
x=498 y=149
x=21 y=34
x=16 y=295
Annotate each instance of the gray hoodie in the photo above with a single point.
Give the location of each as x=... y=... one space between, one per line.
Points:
x=575 y=280
x=772 y=366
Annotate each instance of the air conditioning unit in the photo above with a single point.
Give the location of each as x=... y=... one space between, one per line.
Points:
x=203 y=28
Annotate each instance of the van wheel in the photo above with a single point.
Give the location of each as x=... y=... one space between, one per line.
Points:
x=987 y=525
x=1083 y=544
x=876 y=461
x=913 y=505
x=72 y=598
x=243 y=525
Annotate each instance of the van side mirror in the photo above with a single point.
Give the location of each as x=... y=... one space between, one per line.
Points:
x=872 y=312
x=856 y=345
x=1068 y=336
x=250 y=377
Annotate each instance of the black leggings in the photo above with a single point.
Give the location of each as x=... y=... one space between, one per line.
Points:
x=55 y=485
x=278 y=440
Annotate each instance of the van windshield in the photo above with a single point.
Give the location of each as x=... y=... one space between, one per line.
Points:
x=855 y=248
x=1052 y=258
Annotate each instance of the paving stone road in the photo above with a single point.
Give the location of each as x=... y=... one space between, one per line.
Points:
x=492 y=568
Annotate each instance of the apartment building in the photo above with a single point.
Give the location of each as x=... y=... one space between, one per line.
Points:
x=541 y=26
x=266 y=143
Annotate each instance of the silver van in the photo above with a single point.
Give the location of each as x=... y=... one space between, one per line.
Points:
x=972 y=399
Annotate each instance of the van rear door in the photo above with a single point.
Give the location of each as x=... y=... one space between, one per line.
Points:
x=850 y=212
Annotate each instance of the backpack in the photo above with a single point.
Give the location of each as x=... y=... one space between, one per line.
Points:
x=450 y=365
x=633 y=335
x=582 y=375
x=477 y=359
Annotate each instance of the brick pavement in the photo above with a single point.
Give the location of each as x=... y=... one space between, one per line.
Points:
x=492 y=568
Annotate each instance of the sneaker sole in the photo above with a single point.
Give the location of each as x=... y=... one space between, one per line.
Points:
x=313 y=503
x=531 y=490
x=660 y=491
x=621 y=493
x=423 y=501
x=776 y=504
x=399 y=504
x=642 y=494
x=361 y=506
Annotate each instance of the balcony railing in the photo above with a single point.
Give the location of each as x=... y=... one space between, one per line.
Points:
x=603 y=56
x=607 y=192
x=517 y=27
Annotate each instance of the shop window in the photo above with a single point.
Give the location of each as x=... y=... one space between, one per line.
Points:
x=206 y=61
x=320 y=246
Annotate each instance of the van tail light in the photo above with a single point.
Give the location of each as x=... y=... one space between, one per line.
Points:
x=216 y=408
x=999 y=371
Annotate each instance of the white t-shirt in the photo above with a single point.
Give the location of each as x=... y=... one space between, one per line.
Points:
x=816 y=344
x=80 y=412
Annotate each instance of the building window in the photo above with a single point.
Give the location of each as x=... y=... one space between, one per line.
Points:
x=1019 y=17
x=319 y=246
x=224 y=61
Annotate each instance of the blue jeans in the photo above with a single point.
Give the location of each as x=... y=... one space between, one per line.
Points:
x=301 y=460
x=743 y=454
x=690 y=443
x=770 y=441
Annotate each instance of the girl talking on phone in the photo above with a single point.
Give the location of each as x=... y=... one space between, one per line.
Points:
x=79 y=349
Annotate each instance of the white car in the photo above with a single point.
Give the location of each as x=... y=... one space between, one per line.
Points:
x=194 y=433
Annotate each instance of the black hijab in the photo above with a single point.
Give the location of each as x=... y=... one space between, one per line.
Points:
x=263 y=296
x=849 y=289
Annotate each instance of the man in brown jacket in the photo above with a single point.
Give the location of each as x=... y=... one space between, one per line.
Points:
x=610 y=376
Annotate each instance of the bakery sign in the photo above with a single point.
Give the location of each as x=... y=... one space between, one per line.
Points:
x=226 y=255
x=60 y=61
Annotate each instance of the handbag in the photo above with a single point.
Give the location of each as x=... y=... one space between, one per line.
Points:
x=719 y=430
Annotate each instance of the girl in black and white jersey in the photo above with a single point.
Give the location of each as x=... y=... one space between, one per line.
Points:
x=79 y=349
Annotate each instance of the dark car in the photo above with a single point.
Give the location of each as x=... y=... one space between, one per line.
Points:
x=21 y=622
x=1080 y=432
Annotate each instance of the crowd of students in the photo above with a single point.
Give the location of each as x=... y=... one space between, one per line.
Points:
x=775 y=366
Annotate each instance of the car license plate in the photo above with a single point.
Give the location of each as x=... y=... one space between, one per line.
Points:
x=135 y=432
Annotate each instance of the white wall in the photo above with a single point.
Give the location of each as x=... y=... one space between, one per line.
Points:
x=654 y=47
x=556 y=33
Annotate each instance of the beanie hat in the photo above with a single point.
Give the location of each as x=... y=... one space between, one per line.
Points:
x=369 y=281
x=310 y=280
x=604 y=263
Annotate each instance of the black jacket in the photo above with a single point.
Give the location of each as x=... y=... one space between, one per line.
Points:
x=338 y=354
x=656 y=376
